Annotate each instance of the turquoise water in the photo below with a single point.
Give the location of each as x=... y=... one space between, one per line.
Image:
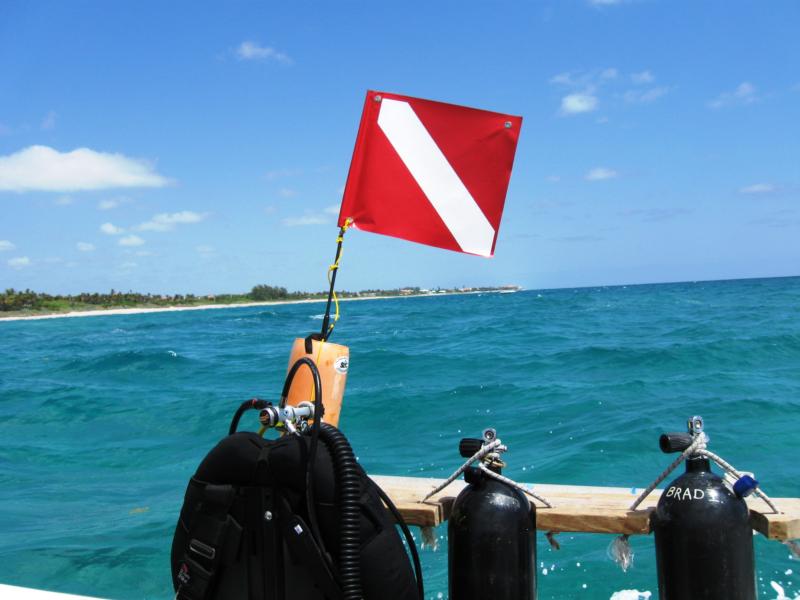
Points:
x=103 y=419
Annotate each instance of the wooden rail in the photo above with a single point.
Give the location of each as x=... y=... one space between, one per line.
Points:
x=577 y=508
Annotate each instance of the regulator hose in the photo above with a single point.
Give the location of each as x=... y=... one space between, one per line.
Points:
x=412 y=545
x=348 y=477
x=253 y=403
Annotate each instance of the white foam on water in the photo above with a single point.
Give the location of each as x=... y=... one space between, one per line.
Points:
x=781 y=593
x=630 y=595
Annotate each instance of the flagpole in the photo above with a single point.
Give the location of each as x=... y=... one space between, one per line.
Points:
x=333 y=269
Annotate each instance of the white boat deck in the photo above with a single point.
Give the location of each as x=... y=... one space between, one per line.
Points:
x=10 y=592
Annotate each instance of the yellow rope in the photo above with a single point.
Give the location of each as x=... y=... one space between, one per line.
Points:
x=339 y=239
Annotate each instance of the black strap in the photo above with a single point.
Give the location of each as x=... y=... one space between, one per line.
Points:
x=269 y=583
x=309 y=341
x=305 y=550
x=261 y=473
x=214 y=539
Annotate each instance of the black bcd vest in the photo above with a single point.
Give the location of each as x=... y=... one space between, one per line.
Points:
x=244 y=530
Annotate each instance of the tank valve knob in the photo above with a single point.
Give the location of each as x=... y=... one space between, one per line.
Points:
x=674 y=442
x=745 y=486
x=467 y=447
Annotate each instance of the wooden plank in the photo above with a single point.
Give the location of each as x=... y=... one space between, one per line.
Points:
x=576 y=508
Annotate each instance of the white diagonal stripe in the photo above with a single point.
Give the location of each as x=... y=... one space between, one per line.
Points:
x=439 y=182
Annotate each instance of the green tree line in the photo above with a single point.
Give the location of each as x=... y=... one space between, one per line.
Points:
x=31 y=301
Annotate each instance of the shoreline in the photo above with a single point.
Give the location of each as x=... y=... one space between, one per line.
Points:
x=103 y=312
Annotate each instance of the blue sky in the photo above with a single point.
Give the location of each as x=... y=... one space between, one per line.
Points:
x=661 y=140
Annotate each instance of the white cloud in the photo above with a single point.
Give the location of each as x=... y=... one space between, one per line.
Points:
x=85 y=246
x=111 y=229
x=745 y=93
x=41 y=168
x=131 y=240
x=553 y=178
x=562 y=79
x=575 y=104
x=249 y=50
x=644 y=96
x=64 y=201
x=19 y=263
x=49 y=121
x=585 y=80
x=609 y=74
x=167 y=221
x=204 y=250
x=587 y=88
x=758 y=188
x=5 y=245
x=333 y=209
x=108 y=204
x=287 y=193
x=309 y=219
x=600 y=173
x=642 y=78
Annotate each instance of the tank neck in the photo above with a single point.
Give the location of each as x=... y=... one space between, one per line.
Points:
x=495 y=468
x=697 y=464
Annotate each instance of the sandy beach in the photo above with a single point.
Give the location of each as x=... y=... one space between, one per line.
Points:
x=135 y=311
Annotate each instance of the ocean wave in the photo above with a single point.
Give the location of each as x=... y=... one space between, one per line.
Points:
x=128 y=361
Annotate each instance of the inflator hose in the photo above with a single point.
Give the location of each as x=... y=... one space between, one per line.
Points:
x=348 y=477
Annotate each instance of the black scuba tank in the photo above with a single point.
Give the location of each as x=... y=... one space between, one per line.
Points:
x=491 y=539
x=703 y=537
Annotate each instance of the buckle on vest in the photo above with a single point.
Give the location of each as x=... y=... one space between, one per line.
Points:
x=202 y=549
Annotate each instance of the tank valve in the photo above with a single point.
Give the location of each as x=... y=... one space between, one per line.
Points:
x=468 y=447
x=674 y=442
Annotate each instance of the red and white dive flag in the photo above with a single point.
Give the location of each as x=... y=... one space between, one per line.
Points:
x=430 y=172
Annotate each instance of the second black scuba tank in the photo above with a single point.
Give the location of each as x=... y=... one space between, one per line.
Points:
x=491 y=535
x=703 y=537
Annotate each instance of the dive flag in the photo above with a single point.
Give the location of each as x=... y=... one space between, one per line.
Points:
x=430 y=172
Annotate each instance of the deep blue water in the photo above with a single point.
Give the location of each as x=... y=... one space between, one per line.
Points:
x=103 y=419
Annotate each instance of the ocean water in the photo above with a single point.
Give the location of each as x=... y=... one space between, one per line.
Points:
x=104 y=419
